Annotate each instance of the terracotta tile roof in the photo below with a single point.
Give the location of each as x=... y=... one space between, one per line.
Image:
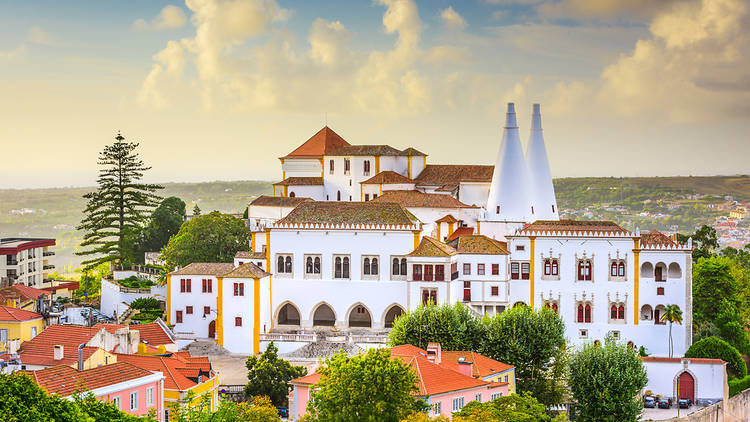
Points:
x=153 y=333
x=217 y=269
x=310 y=379
x=10 y=314
x=461 y=231
x=417 y=199
x=250 y=255
x=247 y=270
x=173 y=368
x=447 y=219
x=387 y=177
x=435 y=379
x=28 y=292
x=656 y=238
x=64 y=380
x=365 y=213
x=443 y=175
x=676 y=360
x=478 y=245
x=411 y=151
x=40 y=349
x=481 y=366
x=430 y=246
x=574 y=226
x=71 y=285
x=365 y=150
x=278 y=201
x=300 y=181
x=323 y=142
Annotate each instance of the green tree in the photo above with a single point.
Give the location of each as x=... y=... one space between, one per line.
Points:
x=705 y=242
x=196 y=210
x=367 y=387
x=716 y=348
x=269 y=376
x=732 y=327
x=516 y=408
x=164 y=222
x=259 y=410
x=605 y=382
x=213 y=237
x=454 y=327
x=534 y=342
x=105 y=411
x=672 y=313
x=119 y=203
x=712 y=282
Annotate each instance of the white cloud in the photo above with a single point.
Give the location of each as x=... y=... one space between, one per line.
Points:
x=14 y=54
x=604 y=9
x=169 y=17
x=451 y=19
x=328 y=41
x=448 y=54
x=37 y=35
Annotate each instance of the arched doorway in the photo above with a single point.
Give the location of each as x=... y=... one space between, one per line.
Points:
x=686 y=386
x=289 y=315
x=394 y=312
x=359 y=316
x=212 y=329
x=324 y=316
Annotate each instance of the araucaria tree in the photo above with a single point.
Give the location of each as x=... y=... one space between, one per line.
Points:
x=119 y=203
x=605 y=382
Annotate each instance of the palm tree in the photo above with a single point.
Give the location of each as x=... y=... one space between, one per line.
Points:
x=672 y=313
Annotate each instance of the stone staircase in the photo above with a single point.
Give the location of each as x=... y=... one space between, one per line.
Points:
x=205 y=348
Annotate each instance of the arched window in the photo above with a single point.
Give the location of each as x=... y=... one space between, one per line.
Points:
x=554 y=267
x=547 y=267
x=395 y=268
x=337 y=268
x=291 y=194
x=288 y=264
x=316 y=267
x=621 y=269
x=587 y=313
x=613 y=312
x=374 y=266
x=580 y=313
x=403 y=266
x=338 y=195
x=621 y=312
x=309 y=265
x=367 y=167
x=280 y=264
x=366 y=266
x=345 y=268
x=613 y=269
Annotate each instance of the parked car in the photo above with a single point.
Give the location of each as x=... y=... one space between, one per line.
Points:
x=684 y=403
x=649 y=402
x=664 y=403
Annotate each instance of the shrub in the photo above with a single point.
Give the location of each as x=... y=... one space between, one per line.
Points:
x=738 y=385
x=716 y=348
x=146 y=303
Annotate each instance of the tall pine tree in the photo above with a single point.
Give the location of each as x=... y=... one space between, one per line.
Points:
x=119 y=204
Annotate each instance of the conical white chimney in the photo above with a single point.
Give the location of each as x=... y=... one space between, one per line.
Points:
x=542 y=191
x=508 y=199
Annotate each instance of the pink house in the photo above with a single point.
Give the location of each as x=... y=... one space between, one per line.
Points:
x=133 y=390
x=446 y=386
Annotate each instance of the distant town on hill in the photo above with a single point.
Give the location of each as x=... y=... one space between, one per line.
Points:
x=671 y=204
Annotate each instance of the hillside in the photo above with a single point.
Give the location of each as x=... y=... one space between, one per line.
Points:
x=666 y=203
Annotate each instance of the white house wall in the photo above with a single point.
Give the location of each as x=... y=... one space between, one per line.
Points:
x=709 y=378
x=301 y=167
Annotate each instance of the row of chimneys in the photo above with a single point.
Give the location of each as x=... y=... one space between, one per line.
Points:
x=435 y=355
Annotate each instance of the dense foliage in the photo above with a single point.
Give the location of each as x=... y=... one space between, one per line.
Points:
x=606 y=381
x=737 y=386
x=164 y=222
x=259 y=410
x=269 y=376
x=119 y=203
x=516 y=408
x=712 y=282
x=716 y=348
x=454 y=327
x=212 y=237
x=366 y=387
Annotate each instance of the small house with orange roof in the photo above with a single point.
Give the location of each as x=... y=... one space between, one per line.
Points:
x=134 y=390
x=155 y=337
x=24 y=297
x=445 y=385
x=183 y=374
x=18 y=324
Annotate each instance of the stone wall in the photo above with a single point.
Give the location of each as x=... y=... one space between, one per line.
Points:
x=736 y=409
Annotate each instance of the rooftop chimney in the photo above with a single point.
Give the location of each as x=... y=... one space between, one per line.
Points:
x=80 y=356
x=464 y=366
x=434 y=353
x=543 y=201
x=58 y=355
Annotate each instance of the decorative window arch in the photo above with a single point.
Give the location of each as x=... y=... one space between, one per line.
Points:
x=280 y=264
x=292 y=194
x=366 y=266
x=674 y=270
x=584 y=270
x=584 y=312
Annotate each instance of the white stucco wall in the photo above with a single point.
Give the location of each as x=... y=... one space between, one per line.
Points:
x=709 y=378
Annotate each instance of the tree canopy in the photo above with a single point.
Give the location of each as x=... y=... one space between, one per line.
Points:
x=164 y=222
x=716 y=348
x=269 y=376
x=367 y=387
x=712 y=282
x=119 y=204
x=212 y=237
x=454 y=327
x=605 y=382
x=515 y=407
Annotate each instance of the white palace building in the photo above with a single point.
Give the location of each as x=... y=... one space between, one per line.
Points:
x=355 y=235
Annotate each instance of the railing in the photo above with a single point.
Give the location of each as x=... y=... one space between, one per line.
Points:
x=49 y=267
x=379 y=339
x=48 y=253
x=134 y=290
x=289 y=337
x=137 y=268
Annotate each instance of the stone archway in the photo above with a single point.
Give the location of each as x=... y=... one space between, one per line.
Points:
x=324 y=316
x=359 y=316
x=288 y=315
x=391 y=314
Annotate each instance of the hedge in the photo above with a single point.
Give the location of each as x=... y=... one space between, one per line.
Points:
x=146 y=303
x=738 y=385
x=716 y=348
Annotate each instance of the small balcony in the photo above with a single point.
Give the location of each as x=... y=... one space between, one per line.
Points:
x=48 y=253
x=48 y=267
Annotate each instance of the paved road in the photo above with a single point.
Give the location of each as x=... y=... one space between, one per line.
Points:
x=663 y=414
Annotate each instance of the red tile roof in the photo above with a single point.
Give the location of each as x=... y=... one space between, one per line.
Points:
x=21 y=293
x=447 y=219
x=430 y=246
x=10 y=314
x=217 y=269
x=278 y=201
x=300 y=181
x=64 y=380
x=417 y=199
x=250 y=255
x=70 y=285
x=478 y=245
x=656 y=238
x=452 y=175
x=153 y=333
x=40 y=349
x=574 y=226
x=387 y=177
x=323 y=142
x=481 y=366
x=461 y=231
x=433 y=378
x=374 y=150
x=247 y=270
x=310 y=379
x=176 y=372
x=349 y=213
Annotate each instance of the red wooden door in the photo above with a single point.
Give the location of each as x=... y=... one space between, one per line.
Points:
x=212 y=329
x=686 y=386
x=467 y=291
